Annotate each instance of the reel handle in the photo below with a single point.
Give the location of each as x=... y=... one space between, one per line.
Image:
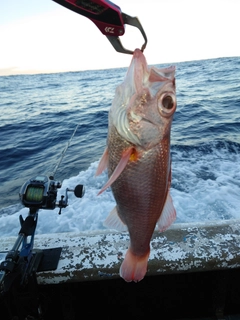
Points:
x=79 y=191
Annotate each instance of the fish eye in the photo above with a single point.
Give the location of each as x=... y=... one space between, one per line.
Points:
x=167 y=104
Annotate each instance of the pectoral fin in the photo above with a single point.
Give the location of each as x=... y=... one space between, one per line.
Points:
x=119 y=168
x=168 y=214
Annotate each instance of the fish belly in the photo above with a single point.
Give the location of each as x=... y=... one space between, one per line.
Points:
x=141 y=189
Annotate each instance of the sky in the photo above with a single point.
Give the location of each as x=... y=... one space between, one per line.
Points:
x=40 y=36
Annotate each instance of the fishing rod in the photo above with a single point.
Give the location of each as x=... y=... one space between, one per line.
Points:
x=18 y=281
x=64 y=151
x=41 y=190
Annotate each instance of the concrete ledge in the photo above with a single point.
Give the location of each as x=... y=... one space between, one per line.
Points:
x=182 y=248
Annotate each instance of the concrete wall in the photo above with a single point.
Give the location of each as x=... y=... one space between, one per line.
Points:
x=98 y=255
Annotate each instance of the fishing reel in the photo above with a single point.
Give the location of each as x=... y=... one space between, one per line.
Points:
x=40 y=192
x=18 y=283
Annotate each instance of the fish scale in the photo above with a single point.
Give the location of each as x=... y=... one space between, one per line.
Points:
x=127 y=188
x=138 y=159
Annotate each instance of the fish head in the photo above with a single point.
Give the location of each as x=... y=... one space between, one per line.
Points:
x=144 y=104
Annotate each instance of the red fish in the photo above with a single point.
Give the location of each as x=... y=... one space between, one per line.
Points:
x=138 y=159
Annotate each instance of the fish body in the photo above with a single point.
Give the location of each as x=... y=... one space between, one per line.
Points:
x=138 y=159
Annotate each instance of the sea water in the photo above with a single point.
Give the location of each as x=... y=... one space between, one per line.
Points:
x=39 y=114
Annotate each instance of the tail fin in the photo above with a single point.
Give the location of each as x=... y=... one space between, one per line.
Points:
x=134 y=267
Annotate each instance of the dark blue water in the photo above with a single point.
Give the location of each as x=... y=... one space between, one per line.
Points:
x=38 y=116
x=40 y=112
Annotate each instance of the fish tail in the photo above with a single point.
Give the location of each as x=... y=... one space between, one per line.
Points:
x=134 y=267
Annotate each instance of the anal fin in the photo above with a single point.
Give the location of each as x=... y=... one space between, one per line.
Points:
x=168 y=214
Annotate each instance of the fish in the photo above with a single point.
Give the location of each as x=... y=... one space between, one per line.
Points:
x=137 y=157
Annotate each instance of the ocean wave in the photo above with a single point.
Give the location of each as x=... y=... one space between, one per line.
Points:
x=40 y=112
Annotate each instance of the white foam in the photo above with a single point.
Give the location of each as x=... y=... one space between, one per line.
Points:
x=203 y=189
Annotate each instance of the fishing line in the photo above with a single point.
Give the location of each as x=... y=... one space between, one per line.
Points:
x=64 y=151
